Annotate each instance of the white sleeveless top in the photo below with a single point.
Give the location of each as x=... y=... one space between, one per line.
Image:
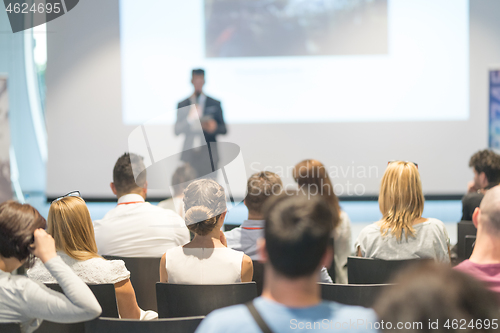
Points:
x=219 y=265
x=93 y=271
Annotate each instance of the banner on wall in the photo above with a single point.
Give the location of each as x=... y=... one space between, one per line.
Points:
x=5 y=183
x=494 y=114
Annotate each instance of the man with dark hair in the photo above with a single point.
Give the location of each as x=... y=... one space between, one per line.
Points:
x=484 y=263
x=296 y=246
x=208 y=111
x=181 y=178
x=486 y=167
x=135 y=228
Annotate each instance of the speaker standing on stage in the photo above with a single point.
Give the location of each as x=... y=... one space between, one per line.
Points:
x=209 y=111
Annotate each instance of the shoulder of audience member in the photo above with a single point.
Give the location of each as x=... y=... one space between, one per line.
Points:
x=226 y=320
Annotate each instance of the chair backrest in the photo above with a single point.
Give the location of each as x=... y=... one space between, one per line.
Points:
x=105 y=295
x=258 y=276
x=187 y=300
x=464 y=229
x=352 y=294
x=376 y=271
x=229 y=227
x=112 y=325
x=144 y=273
x=10 y=328
x=470 y=241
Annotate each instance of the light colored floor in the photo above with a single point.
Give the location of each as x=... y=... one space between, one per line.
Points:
x=361 y=213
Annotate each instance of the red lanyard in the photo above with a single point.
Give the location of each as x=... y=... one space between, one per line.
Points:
x=248 y=228
x=128 y=203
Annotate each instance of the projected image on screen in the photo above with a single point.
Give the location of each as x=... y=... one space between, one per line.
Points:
x=262 y=28
x=298 y=61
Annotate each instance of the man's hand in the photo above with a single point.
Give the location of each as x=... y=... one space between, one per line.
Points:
x=44 y=246
x=471 y=187
x=209 y=126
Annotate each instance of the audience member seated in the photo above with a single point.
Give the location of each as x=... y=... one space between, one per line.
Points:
x=296 y=247
x=260 y=187
x=135 y=228
x=403 y=233
x=486 y=167
x=312 y=176
x=180 y=179
x=206 y=259
x=25 y=301
x=434 y=298
x=70 y=224
x=484 y=263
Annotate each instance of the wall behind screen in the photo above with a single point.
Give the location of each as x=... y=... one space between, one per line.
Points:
x=86 y=133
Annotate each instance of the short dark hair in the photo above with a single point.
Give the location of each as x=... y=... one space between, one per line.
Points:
x=488 y=162
x=18 y=222
x=198 y=71
x=429 y=292
x=297 y=232
x=123 y=173
x=182 y=175
x=261 y=186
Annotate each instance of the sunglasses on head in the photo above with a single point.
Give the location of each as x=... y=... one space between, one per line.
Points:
x=416 y=164
x=70 y=194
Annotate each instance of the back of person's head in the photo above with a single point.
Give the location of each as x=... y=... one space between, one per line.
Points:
x=312 y=177
x=487 y=161
x=18 y=222
x=297 y=233
x=182 y=175
x=401 y=199
x=70 y=224
x=123 y=174
x=490 y=211
x=261 y=186
x=429 y=292
x=198 y=71
x=204 y=203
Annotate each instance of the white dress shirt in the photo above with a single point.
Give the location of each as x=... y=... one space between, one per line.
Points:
x=244 y=238
x=135 y=228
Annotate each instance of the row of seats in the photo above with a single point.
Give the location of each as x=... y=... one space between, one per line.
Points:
x=193 y=302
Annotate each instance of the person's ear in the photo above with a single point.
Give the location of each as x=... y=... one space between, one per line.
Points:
x=113 y=188
x=326 y=260
x=483 y=180
x=145 y=188
x=192 y=80
x=222 y=217
x=261 y=250
x=475 y=216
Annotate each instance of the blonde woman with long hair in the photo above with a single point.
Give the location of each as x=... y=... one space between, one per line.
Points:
x=312 y=176
x=403 y=233
x=70 y=225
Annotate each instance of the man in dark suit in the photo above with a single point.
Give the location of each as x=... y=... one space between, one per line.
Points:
x=207 y=111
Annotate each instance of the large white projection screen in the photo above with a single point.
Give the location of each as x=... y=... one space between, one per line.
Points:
x=411 y=89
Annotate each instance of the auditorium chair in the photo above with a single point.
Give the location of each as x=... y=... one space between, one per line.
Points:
x=258 y=275
x=10 y=328
x=173 y=325
x=464 y=229
x=144 y=273
x=470 y=241
x=187 y=300
x=376 y=271
x=105 y=295
x=352 y=294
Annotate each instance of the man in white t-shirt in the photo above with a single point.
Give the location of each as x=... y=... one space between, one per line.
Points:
x=135 y=228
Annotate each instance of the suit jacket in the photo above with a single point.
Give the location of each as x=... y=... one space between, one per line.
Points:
x=212 y=108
